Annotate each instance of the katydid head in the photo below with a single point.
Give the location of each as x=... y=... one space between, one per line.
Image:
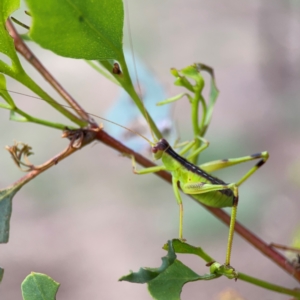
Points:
x=159 y=148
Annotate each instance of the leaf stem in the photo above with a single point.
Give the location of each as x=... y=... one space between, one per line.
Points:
x=269 y=286
x=40 y=121
x=126 y=83
x=32 y=59
x=198 y=128
x=195 y=123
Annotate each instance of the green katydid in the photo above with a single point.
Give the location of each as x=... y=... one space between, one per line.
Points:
x=197 y=181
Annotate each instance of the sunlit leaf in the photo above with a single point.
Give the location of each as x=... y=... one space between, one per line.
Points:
x=79 y=29
x=7 y=7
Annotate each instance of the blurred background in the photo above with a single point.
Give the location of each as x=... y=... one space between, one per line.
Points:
x=89 y=220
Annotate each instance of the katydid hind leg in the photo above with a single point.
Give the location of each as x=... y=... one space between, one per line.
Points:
x=224 y=163
x=231 y=227
x=219 y=164
x=179 y=201
x=201 y=188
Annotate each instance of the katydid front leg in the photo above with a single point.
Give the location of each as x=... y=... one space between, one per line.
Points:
x=175 y=188
x=175 y=180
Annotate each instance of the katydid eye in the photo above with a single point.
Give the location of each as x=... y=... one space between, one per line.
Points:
x=155 y=149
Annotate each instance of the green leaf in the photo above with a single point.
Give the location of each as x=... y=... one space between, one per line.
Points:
x=37 y=286
x=182 y=247
x=167 y=281
x=6 y=197
x=1 y=273
x=193 y=73
x=169 y=284
x=215 y=268
x=145 y=275
x=7 y=7
x=7 y=47
x=87 y=29
x=172 y=99
x=182 y=81
x=214 y=92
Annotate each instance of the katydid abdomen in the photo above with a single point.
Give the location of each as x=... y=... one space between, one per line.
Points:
x=215 y=199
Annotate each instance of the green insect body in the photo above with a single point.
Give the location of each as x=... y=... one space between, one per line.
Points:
x=192 y=178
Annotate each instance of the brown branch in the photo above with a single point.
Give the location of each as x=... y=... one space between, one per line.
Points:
x=22 y=48
x=259 y=244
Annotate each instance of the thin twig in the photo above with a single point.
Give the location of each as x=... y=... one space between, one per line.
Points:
x=259 y=244
x=32 y=59
x=37 y=170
